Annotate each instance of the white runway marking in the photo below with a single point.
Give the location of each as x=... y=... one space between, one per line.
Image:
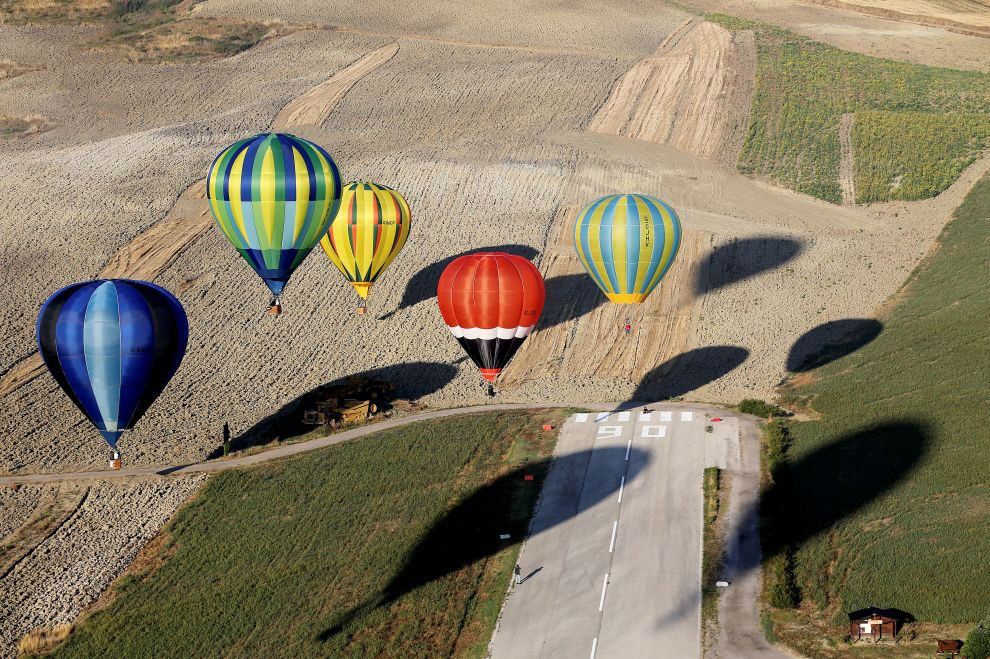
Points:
x=666 y=416
x=654 y=431
x=611 y=543
x=622 y=484
x=601 y=416
x=581 y=418
x=686 y=416
x=623 y=416
x=628 y=448
x=601 y=602
x=594 y=646
x=645 y=416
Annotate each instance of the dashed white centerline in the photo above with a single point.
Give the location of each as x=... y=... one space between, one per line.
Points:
x=601 y=602
x=594 y=646
x=628 y=448
x=611 y=543
x=622 y=484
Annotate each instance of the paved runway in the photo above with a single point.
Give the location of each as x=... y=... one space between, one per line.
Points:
x=615 y=545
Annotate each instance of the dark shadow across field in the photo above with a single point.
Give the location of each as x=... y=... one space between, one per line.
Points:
x=569 y=297
x=689 y=371
x=470 y=531
x=815 y=492
x=423 y=284
x=830 y=341
x=412 y=380
x=742 y=259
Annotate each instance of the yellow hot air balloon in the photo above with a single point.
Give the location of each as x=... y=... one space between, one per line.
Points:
x=368 y=231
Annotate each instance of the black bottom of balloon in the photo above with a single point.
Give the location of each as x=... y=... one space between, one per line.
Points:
x=491 y=353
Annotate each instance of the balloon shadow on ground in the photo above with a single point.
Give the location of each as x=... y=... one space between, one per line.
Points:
x=412 y=380
x=689 y=371
x=742 y=259
x=569 y=297
x=423 y=284
x=830 y=341
x=470 y=531
x=812 y=493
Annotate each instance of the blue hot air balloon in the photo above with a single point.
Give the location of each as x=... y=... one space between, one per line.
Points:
x=112 y=345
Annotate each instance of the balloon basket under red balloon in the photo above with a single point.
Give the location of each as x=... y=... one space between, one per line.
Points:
x=491 y=390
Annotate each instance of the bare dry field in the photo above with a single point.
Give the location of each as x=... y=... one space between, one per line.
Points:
x=870 y=35
x=497 y=132
x=962 y=16
x=495 y=146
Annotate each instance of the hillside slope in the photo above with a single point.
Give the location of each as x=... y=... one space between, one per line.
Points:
x=894 y=479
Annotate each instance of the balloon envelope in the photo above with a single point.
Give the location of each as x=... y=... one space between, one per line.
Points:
x=370 y=228
x=273 y=195
x=491 y=302
x=627 y=243
x=112 y=345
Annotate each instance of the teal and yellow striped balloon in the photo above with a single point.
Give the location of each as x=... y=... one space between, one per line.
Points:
x=627 y=242
x=274 y=197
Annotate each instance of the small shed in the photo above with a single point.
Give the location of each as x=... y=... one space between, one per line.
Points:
x=875 y=624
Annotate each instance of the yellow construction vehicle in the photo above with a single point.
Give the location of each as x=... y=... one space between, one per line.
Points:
x=355 y=399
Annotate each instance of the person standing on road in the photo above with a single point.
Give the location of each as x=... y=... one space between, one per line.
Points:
x=517 y=572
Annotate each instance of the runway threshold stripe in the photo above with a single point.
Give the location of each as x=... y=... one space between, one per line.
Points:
x=601 y=602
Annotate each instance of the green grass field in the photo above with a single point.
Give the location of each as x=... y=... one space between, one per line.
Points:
x=387 y=546
x=889 y=492
x=915 y=127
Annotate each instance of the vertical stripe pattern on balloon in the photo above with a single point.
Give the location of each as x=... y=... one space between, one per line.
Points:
x=370 y=228
x=627 y=243
x=273 y=196
x=112 y=345
x=491 y=301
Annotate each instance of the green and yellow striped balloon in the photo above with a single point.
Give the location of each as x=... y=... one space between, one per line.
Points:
x=370 y=228
x=273 y=195
x=627 y=243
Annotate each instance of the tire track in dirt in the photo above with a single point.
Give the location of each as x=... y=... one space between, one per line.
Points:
x=683 y=93
x=846 y=177
x=151 y=252
x=313 y=107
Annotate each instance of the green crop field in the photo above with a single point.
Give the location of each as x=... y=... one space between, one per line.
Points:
x=888 y=494
x=913 y=155
x=915 y=127
x=383 y=547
